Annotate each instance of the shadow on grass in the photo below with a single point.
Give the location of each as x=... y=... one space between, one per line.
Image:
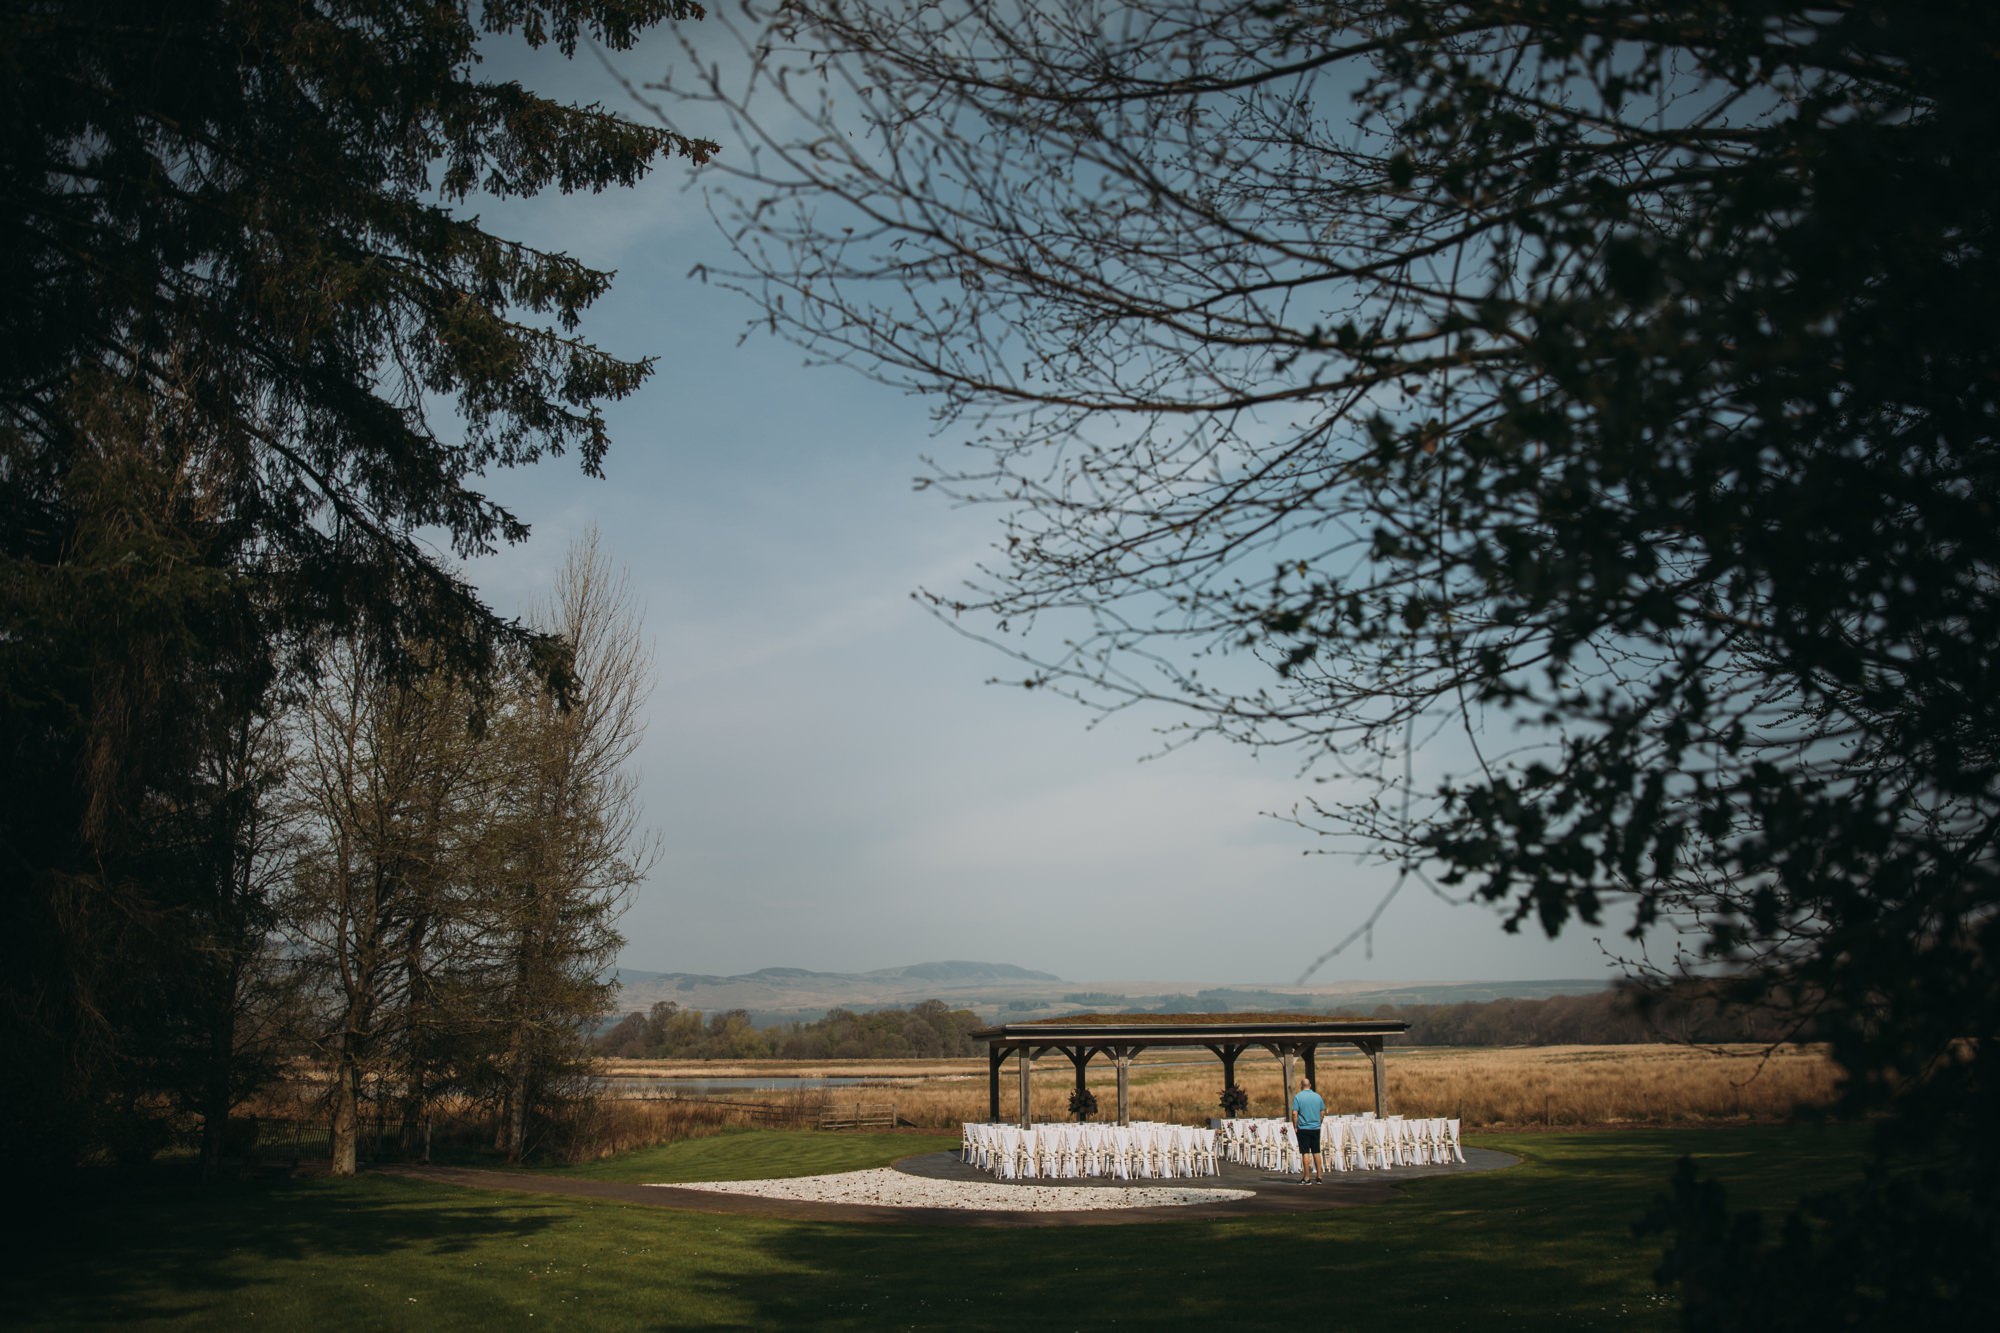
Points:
x=158 y=1244
x=1549 y=1243
x=1545 y=1244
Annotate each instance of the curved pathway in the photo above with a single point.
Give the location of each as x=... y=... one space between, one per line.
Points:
x=1240 y=1191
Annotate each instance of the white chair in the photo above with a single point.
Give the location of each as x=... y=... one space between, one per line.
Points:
x=1205 y=1142
x=1152 y=1154
x=1120 y=1152
x=1289 y=1157
x=1333 y=1143
x=1137 y=1147
x=1090 y=1150
x=1451 y=1139
x=1374 y=1136
x=1160 y=1150
x=1361 y=1143
x=1007 y=1151
x=978 y=1143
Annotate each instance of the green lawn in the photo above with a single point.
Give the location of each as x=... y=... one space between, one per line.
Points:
x=1544 y=1244
x=758 y=1154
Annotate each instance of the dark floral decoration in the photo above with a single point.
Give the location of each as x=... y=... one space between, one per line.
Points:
x=1235 y=1101
x=1083 y=1103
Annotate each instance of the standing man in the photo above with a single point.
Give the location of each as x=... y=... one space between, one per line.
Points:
x=1307 y=1108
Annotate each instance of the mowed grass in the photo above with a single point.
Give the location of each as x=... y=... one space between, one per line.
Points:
x=1544 y=1244
x=757 y=1154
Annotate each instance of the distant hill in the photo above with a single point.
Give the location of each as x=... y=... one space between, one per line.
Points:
x=960 y=973
x=1005 y=992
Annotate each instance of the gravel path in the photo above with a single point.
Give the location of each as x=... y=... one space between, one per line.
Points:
x=885 y=1187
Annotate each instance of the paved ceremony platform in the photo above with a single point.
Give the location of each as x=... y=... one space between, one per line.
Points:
x=938 y=1185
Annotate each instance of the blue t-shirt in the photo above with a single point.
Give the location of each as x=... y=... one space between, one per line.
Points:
x=1309 y=1106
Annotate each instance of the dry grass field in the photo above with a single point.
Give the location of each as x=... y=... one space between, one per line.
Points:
x=1507 y=1086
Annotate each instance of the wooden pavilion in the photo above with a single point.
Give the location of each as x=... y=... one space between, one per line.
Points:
x=1080 y=1038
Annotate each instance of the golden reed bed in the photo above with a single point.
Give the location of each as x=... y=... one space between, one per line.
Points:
x=1554 y=1085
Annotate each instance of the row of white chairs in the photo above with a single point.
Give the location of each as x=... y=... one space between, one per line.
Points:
x=1142 y=1150
x=1347 y=1143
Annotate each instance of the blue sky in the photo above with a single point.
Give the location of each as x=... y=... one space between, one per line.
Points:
x=835 y=785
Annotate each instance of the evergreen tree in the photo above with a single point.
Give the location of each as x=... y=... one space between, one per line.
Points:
x=250 y=345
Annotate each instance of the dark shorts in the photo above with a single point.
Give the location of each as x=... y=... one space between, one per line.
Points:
x=1309 y=1139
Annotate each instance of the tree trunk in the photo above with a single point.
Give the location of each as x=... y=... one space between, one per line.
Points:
x=346 y=1109
x=215 y=1097
x=517 y=1107
x=416 y=1090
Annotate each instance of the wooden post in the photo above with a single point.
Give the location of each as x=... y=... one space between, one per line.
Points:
x=994 y=1055
x=1027 y=1067
x=1312 y=1072
x=1124 y=1087
x=1381 y=1084
x=1285 y=1092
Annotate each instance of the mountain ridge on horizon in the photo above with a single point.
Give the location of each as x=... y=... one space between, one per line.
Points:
x=994 y=990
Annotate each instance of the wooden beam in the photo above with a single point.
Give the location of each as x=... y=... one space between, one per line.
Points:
x=1027 y=1068
x=994 y=1057
x=1374 y=1049
x=1124 y=1087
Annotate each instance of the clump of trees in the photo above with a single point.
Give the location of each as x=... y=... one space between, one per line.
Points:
x=255 y=357
x=1598 y=394
x=929 y=1030
x=454 y=886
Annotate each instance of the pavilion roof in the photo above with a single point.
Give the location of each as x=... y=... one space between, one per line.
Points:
x=1155 y=1028
x=1155 y=1017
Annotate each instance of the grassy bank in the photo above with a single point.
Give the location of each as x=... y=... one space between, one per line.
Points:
x=1546 y=1243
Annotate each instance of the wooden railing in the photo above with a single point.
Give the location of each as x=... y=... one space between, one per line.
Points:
x=858 y=1115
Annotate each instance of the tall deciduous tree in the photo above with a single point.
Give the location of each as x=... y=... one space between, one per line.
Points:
x=1606 y=387
x=454 y=903
x=250 y=346
x=573 y=845
x=392 y=788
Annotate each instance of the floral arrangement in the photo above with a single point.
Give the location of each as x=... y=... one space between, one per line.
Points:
x=1083 y=1103
x=1235 y=1101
